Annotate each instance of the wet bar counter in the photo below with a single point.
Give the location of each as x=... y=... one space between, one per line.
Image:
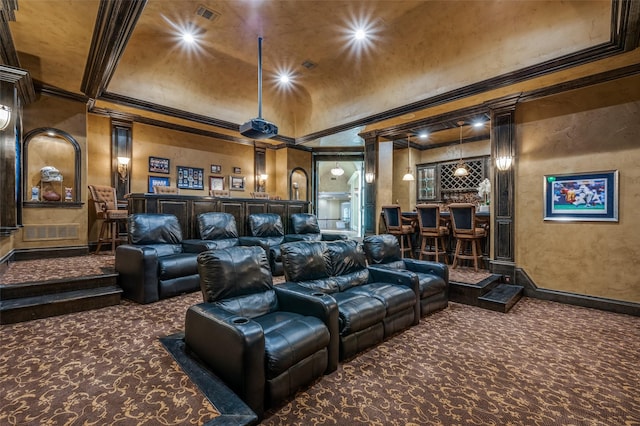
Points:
x=188 y=207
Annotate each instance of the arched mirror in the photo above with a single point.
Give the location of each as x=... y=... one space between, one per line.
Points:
x=299 y=184
x=51 y=168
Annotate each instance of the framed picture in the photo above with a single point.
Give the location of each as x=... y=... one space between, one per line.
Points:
x=158 y=165
x=237 y=170
x=590 y=196
x=236 y=183
x=190 y=177
x=216 y=183
x=158 y=181
x=216 y=168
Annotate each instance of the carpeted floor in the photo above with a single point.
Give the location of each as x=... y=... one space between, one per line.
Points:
x=542 y=363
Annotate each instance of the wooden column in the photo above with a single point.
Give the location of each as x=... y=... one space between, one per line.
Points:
x=502 y=230
x=370 y=188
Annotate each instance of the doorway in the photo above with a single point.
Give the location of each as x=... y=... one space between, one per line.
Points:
x=338 y=194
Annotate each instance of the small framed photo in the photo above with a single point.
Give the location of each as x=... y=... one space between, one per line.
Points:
x=589 y=196
x=236 y=183
x=237 y=170
x=216 y=183
x=216 y=168
x=158 y=165
x=190 y=177
x=158 y=181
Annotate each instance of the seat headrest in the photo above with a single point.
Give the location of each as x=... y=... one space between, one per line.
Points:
x=266 y=225
x=233 y=272
x=304 y=223
x=217 y=226
x=154 y=228
x=383 y=248
x=305 y=260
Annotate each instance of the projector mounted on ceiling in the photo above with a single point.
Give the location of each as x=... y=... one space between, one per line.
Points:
x=259 y=128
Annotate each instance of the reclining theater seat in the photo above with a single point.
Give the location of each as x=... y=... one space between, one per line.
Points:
x=263 y=342
x=383 y=251
x=372 y=304
x=267 y=232
x=216 y=230
x=304 y=227
x=153 y=265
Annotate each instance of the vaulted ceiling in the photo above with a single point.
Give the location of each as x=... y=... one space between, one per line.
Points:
x=128 y=56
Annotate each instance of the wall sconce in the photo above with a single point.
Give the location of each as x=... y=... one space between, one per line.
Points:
x=503 y=163
x=369 y=177
x=5 y=116
x=123 y=168
x=262 y=181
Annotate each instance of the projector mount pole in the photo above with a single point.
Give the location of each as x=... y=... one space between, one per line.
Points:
x=259 y=77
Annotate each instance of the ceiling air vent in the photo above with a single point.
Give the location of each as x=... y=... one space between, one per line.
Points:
x=206 y=13
x=309 y=64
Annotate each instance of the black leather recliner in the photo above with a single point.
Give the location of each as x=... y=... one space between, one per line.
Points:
x=264 y=342
x=216 y=230
x=383 y=251
x=267 y=232
x=153 y=265
x=373 y=304
x=304 y=227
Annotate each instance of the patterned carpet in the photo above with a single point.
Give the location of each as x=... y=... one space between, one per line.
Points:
x=72 y=267
x=543 y=363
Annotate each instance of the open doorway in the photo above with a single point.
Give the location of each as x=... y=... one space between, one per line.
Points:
x=338 y=194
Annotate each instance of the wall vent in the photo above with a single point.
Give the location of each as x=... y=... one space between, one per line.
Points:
x=206 y=13
x=309 y=64
x=61 y=231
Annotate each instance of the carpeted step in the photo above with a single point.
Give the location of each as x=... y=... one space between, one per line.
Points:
x=48 y=305
x=501 y=298
x=39 y=288
x=469 y=293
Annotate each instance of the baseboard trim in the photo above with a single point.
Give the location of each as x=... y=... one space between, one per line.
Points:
x=585 y=301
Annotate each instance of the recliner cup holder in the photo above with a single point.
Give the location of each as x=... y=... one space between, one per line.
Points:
x=240 y=320
x=318 y=294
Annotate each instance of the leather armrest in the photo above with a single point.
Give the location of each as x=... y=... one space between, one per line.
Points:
x=304 y=301
x=232 y=346
x=334 y=237
x=137 y=268
x=428 y=267
x=398 y=277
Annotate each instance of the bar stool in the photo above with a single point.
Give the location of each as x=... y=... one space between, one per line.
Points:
x=432 y=233
x=468 y=235
x=400 y=226
x=106 y=204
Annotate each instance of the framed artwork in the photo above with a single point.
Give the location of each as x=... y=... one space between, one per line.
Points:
x=216 y=183
x=190 y=177
x=237 y=170
x=158 y=165
x=158 y=181
x=236 y=183
x=216 y=168
x=590 y=196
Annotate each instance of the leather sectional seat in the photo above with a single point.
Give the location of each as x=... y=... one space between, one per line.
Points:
x=304 y=227
x=372 y=304
x=216 y=231
x=263 y=341
x=266 y=231
x=383 y=251
x=153 y=265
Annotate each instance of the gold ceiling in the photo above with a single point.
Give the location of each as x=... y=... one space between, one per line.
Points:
x=417 y=50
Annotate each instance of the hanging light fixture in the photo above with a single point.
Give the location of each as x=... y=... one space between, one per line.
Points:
x=337 y=170
x=5 y=116
x=409 y=175
x=461 y=168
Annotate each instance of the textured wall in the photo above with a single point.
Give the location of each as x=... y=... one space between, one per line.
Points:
x=584 y=130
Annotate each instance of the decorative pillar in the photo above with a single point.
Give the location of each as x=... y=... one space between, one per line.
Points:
x=503 y=227
x=370 y=182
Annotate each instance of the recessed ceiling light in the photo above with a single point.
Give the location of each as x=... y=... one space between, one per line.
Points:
x=423 y=135
x=360 y=34
x=284 y=79
x=188 y=38
x=478 y=123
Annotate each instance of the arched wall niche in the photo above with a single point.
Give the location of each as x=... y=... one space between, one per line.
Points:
x=299 y=184
x=50 y=147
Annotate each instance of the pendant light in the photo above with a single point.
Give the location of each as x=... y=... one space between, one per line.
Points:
x=461 y=168
x=409 y=175
x=337 y=170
